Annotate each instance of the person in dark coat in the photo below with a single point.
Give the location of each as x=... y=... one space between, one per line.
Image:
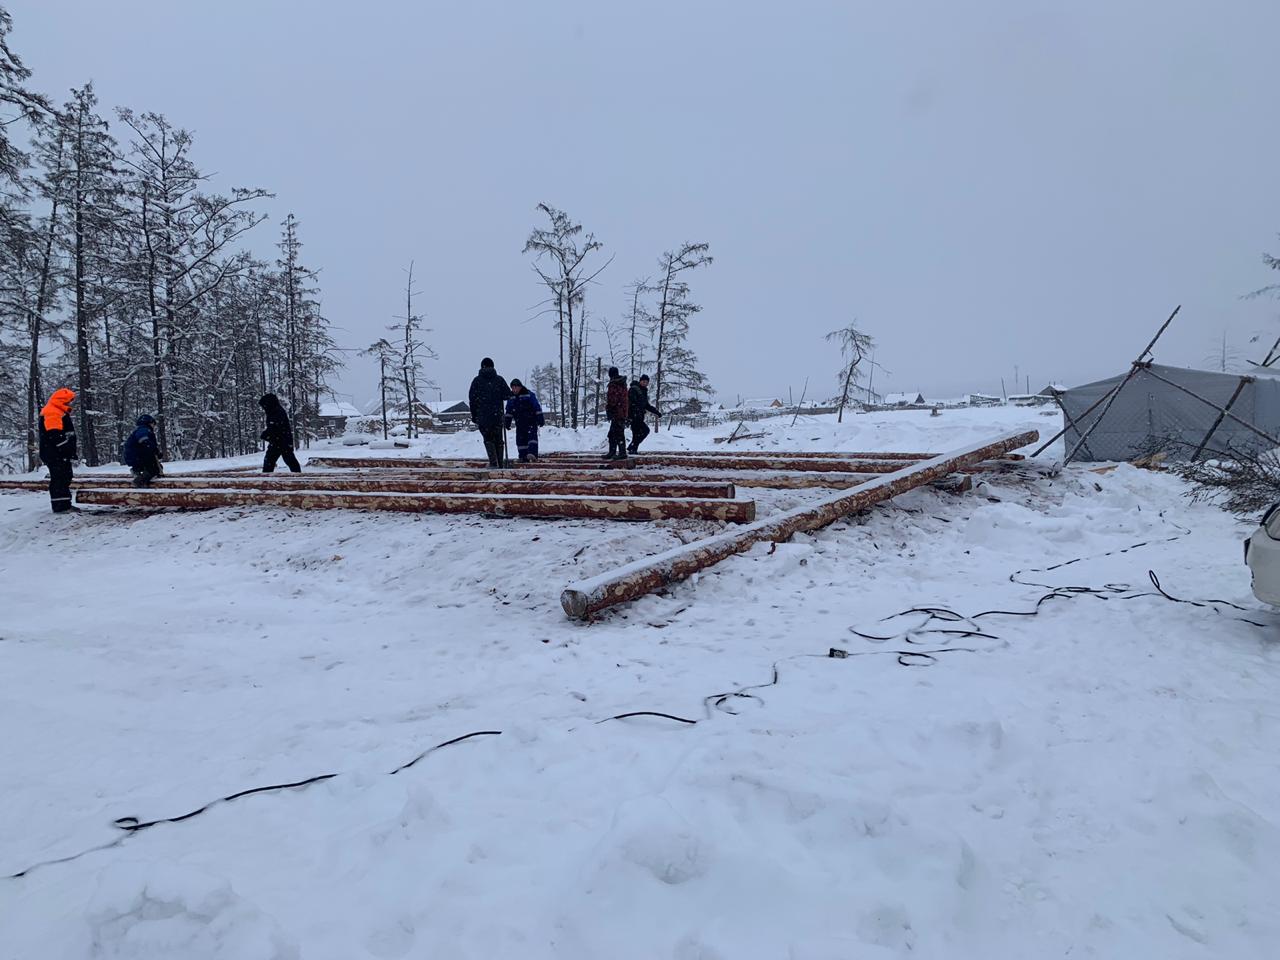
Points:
x=487 y=400
x=58 y=447
x=278 y=435
x=141 y=453
x=638 y=405
x=615 y=408
x=525 y=412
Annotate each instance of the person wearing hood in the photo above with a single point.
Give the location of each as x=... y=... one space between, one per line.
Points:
x=638 y=405
x=487 y=402
x=141 y=454
x=525 y=412
x=278 y=435
x=616 y=409
x=58 y=447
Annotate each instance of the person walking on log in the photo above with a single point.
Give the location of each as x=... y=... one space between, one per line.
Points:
x=615 y=409
x=279 y=436
x=58 y=448
x=638 y=405
x=487 y=400
x=525 y=412
x=141 y=453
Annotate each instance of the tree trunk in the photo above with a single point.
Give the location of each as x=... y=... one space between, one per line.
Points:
x=382 y=387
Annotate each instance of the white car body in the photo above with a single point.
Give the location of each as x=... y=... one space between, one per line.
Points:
x=1262 y=554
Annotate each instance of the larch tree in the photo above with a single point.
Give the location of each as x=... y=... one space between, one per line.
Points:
x=389 y=382
x=87 y=188
x=413 y=353
x=560 y=254
x=187 y=248
x=854 y=346
x=670 y=324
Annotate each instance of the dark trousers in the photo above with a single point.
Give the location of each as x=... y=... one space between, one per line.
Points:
x=493 y=436
x=617 y=436
x=60 y=485
x=527 y=440
x=275 y=453
x=144 y=473
x=639 y=430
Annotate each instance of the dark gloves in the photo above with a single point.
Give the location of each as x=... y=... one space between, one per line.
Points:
x=506 y=423
x=263 y=436
x=542 y=422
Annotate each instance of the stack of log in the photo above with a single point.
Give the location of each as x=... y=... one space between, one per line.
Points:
x=698 y=485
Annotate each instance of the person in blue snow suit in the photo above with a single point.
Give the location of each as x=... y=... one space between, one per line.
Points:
x=141 y=453
x=525 y=412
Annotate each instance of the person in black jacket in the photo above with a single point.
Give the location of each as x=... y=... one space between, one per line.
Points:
x=141 y=453
x=487 y=401
x=637 y=405
x=279 y=436
x=58 y=447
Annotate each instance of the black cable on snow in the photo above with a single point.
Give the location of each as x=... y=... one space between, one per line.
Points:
x=957 y=625
x=132 y=825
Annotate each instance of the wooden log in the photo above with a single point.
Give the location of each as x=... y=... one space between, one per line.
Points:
x=504 y=505
x=795 y=462
x=792 y=462
x=447 y=463
x=721 y=454
x=590 y=488
x=692 y=478
x=586 y=597
x=772 y=479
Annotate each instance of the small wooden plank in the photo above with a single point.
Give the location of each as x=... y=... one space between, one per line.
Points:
x=606 y=508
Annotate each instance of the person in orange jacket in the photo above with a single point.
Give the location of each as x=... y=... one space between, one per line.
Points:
x=58 y=447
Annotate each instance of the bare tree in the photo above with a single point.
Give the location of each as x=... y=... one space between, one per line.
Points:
x=566 y=275
x=388 y=359
x=638 y=320
x=413 y=353
x=1223 y=357
x=186 y=241
x=854 y=346
x=671 y=323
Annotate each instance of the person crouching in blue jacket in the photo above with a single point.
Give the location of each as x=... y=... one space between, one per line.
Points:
x=141 y=453
x=525 y=412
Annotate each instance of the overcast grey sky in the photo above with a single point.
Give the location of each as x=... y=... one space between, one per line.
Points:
x=982 y=184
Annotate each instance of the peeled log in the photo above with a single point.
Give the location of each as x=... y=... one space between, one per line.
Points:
x=586 y=597
x=450 y=463
x=793 y=462
x=775 y=479
x=607 y=508
x=409 y=484
x=692 y=477
x=721 y=454
x=751 y=462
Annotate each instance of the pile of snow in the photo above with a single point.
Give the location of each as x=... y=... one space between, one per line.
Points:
x=1098 y=780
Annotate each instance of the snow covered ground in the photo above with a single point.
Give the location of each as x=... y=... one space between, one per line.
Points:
x=1097 y=781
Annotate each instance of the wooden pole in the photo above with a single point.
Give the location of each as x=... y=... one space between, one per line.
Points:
x=1137 y=365
x=587 y=597
x=1244 y=381
x=604 y=508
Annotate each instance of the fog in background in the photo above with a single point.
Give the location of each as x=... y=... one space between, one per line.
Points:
x=983 y=185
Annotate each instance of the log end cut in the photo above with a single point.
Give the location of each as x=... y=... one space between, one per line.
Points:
x=576 y=603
